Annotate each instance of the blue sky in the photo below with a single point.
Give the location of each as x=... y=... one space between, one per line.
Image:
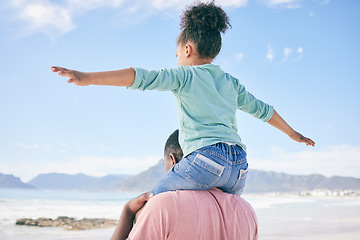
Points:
x=300 y=56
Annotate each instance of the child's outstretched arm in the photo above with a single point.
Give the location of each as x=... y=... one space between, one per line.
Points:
x=124 y=77
x=277 y=121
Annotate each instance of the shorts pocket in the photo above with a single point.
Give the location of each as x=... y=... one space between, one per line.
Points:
x=204 y=172
x=240 y=183
x=179 y=165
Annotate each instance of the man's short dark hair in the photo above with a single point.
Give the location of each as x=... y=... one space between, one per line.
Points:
x=172 y=146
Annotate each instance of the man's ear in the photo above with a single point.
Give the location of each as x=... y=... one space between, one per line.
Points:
x=173 y=159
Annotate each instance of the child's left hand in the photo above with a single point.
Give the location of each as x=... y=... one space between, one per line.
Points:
x=301 y=139
x=135 y=204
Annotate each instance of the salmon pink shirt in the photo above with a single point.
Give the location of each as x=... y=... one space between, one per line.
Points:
x=196 y=215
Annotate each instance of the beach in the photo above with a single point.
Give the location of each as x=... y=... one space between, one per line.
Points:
x=280 y=217
x=309 y=218
x=15 y=204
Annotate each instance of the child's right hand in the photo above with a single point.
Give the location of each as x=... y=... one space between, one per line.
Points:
x=76 y=77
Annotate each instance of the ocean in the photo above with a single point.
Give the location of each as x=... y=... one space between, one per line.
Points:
x=280 y=217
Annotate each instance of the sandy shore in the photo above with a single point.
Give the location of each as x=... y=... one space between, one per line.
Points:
x=312 y=219
x=340 y=236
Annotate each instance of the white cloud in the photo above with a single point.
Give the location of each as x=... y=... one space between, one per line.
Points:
x=232 y=3
x=341 y=160
x=180 y=4
x=101 y=166
x=239 y=57
x=311 y=14
x=44 y=16
x=300 y=51
x=95 y=3
x=55 y=18
x=104 y=147
x=59 y=148
x=90 y=165
x=164 y=4
x=270 y=53
x=287 y=53
x=82 y=6
x=282 y=3
x=63 y=144
x=27 y=146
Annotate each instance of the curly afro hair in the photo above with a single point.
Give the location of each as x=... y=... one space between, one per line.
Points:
x=203 y=24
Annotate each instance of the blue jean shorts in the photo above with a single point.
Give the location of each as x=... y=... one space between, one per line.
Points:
x=221 y=165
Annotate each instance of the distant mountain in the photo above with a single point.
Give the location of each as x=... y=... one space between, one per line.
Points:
x=257 y=181
x=62 y=181
x=145 y=180
x=10 y=181
x=263 y=181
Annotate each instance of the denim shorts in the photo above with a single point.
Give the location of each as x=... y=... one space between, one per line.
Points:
x=221 y=165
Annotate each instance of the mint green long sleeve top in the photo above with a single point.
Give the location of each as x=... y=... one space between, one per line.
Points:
x=207 y=99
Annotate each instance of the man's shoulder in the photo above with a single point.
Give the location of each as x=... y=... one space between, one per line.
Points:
x=181 y=196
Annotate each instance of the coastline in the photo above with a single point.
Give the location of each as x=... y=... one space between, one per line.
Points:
x=281 y=216
x=68 y=223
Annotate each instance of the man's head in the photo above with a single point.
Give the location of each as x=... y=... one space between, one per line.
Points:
x=172 y=151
